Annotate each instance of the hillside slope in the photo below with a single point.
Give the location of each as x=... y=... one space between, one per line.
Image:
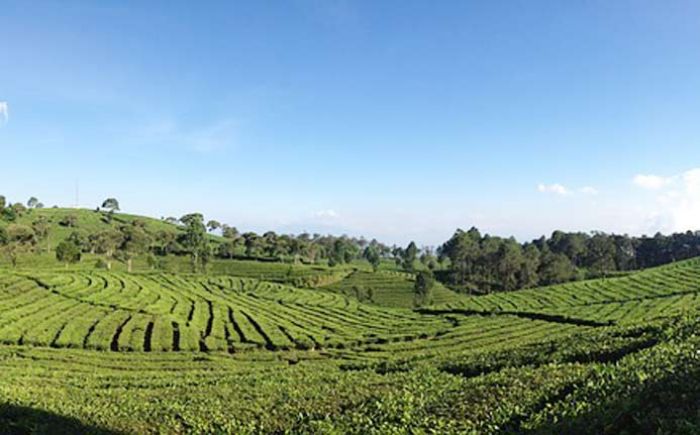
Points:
x=388 y=288
x=657 y=292
x=88 y=221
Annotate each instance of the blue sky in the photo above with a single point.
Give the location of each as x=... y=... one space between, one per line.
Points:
x=395 y=119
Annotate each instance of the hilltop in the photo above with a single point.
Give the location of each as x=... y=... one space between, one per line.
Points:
x=64 y=221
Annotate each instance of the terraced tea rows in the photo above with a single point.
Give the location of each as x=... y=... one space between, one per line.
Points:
x=573 y=383
x=388 y=288
x=649 y=294
x=168 y=312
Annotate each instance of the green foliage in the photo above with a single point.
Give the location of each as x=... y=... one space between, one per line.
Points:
x=69 y=220
x=371 y=254
x=319 y=349
x=423 y=288
x=68 y=252
x=195 y=240
x=111 y=204
x=318 y=361
x=409 y=257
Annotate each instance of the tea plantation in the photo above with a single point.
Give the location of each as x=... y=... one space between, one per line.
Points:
x=87 y=351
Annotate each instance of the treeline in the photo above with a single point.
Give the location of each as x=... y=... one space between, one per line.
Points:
x=190 y=236
x=484 y=263
x=468 y=261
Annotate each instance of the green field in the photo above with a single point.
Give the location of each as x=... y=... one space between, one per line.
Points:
x=113 y=352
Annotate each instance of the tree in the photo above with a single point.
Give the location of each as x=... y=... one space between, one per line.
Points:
x=462 y=250
x=227 y=249
x=229 y=232
x=371 y=254
x=80 y=240
x=423 y=288
x=509 y=264
x=68 y=252
x=41 y=228
x=195 y=241
x=555 y=269
x=3 y=202
x=269 y=241
x=409 y=256
x=32 y=202
x=528 y=270
x=107 y=242
x=135 y=241
x=601 y=254
x=340 y=252
x=166 y=242
x=252 y=244
x=111 y=204
x=17 y=239
x=213 y=225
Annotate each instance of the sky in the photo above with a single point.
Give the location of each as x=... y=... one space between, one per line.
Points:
x=396 y=120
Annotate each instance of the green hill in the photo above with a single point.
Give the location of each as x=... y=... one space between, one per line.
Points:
x=388 y=288
x=270 y=347
x=88 y=222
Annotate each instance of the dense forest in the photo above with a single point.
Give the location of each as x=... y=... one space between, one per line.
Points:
x=484 y=263
x=469 y=261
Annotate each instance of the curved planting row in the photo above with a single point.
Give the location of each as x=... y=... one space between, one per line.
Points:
x=165 y=312
x=659 y=292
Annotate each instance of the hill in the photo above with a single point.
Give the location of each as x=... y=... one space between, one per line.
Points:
x=173 y=352
x=63 y=221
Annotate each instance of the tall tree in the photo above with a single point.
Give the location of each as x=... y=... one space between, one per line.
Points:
x=195 y=240
x=462 y=250
x=601 y=254
x=423 y=288
x=41 y=229
x=509 y=263
x=409 y=256
x=135 y=241
x=371 y=254
x=107 y=242
x=531 y=263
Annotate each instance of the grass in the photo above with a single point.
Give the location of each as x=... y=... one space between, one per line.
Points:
x=253 y=347
x=88 y=222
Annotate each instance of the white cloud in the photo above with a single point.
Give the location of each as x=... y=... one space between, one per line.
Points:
x=651 y=182
x=588 y=190
x=553 y=188
x=4 y=111
x=677 y=205
x=326 y=214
